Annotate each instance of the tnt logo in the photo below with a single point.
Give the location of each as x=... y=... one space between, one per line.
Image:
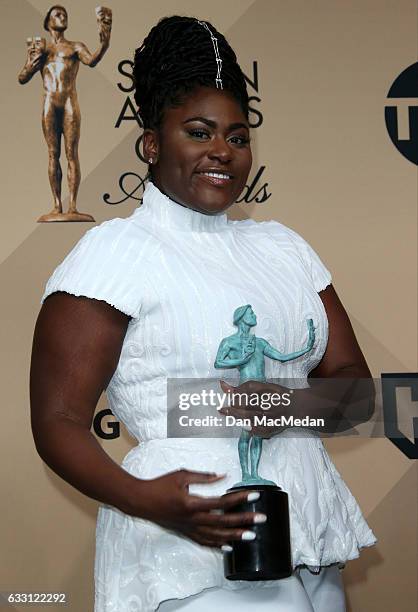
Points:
x=401 y=117
x=391 y=383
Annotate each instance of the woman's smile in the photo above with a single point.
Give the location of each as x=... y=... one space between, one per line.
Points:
x=218 y=179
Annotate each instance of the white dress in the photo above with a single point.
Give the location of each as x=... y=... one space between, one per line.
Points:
x=180 y=275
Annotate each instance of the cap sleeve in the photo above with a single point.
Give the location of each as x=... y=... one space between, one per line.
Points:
x=103 y=265
x=318 y=272
x=296 y=246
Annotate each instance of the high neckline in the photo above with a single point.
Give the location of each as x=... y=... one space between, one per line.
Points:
x=171 y=215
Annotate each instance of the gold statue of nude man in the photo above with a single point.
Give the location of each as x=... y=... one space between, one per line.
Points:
x=58 y=62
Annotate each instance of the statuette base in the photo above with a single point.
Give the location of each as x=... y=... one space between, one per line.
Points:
x=268 y=557
x=52 y=217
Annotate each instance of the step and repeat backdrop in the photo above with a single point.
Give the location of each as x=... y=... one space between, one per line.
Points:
x=333 y=89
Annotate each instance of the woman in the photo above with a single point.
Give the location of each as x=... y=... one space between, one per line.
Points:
x=147 y=298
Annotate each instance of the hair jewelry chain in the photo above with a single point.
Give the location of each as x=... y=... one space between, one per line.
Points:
x=218 y=79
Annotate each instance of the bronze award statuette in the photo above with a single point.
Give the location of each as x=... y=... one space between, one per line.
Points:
x=268 y=557
x=57 y=62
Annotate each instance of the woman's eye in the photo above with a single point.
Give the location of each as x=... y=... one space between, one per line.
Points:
x=198 y=133
x=241 y=139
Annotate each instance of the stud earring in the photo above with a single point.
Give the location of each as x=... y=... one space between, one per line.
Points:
x=150 y=160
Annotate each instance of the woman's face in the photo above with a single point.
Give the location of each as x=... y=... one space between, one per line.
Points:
x=207 y=133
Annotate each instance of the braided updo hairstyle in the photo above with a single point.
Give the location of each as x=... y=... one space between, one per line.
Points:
x=176 y=57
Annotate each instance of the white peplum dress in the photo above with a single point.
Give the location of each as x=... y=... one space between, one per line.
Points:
x=180 y=275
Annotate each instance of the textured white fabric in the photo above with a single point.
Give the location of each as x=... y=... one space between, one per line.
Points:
x=180 y=275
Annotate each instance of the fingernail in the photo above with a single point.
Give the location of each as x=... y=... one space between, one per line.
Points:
x=253 y=496
x=226 y=548
x=248 y=535
x=260 y=518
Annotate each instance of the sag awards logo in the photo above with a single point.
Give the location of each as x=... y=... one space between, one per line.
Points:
x=401 y=113
x=131 y=184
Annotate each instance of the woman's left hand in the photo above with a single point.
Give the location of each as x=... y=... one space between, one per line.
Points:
x=265 y=402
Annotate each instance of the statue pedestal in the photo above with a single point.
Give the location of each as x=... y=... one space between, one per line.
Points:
x=268 y=557
x=61 y=217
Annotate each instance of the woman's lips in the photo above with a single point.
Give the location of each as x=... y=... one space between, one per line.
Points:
x=213 y=180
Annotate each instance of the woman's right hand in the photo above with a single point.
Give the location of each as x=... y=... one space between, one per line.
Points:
x=166 y=501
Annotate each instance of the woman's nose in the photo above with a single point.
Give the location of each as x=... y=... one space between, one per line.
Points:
x=220 y=149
